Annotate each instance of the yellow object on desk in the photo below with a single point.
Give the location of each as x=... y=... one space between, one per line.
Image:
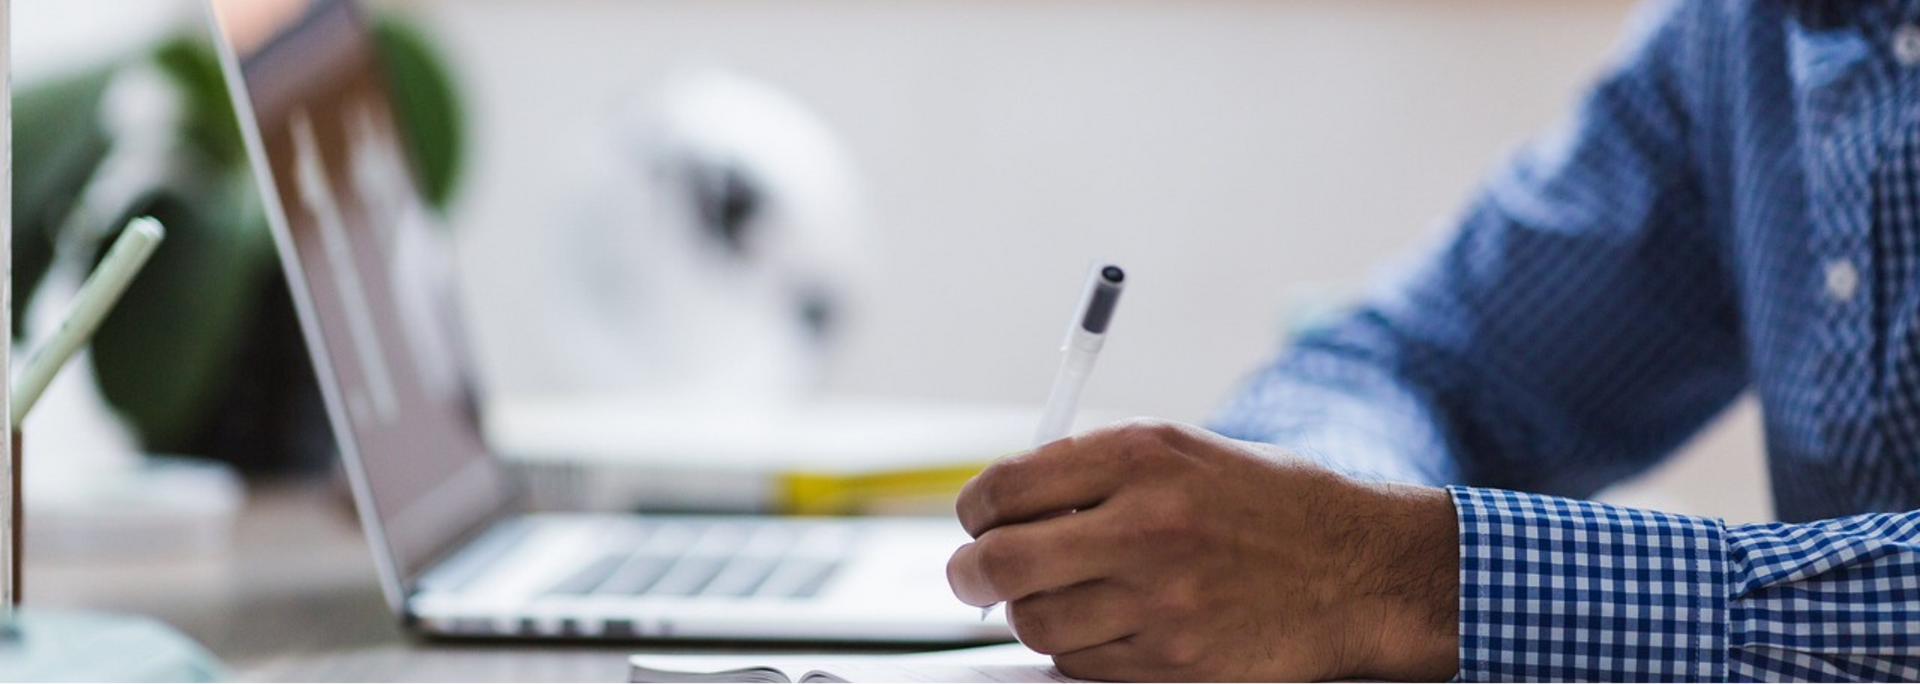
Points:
x=911 y=490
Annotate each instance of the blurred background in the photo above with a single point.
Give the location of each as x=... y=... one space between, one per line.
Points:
x=695 y=201
x=904 y=194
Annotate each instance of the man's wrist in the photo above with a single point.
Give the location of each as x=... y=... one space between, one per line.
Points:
x=1410 y=576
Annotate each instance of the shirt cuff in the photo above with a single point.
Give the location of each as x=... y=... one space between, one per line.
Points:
x=1558 y=589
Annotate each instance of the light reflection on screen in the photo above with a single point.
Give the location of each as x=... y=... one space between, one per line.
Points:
x=372 y=269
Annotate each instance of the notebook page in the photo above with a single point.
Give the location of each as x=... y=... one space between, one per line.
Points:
x=872 y=671
x=1006 y=662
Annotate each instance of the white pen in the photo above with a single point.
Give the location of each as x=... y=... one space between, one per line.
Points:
x=1086 y=334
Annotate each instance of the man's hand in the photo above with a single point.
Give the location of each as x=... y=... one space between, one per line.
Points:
x=1156 y=551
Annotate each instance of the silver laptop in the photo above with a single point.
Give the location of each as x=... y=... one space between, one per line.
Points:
x=370 y=276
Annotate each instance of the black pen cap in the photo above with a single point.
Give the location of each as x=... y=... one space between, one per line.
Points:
x=1103 y=299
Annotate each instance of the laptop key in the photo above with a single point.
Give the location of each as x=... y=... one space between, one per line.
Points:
x=770 y=540
x=637 y=576
x=588 y=578
x=671 y=539
x=797 y=577
x=687 y=577
x=720 y=540
x=818 y=581
x=740 y=577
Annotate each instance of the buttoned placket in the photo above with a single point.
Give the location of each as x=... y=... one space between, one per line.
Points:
x=1859 y=134
x=1851 y=127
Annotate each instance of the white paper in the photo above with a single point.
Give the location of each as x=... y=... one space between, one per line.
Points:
x=1004 y=663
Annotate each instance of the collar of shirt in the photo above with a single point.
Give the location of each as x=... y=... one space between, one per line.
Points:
x=1846 y=56
x=1823 y=15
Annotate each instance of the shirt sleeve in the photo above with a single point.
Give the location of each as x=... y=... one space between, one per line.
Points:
x=1577 y=324
x=1559 y=589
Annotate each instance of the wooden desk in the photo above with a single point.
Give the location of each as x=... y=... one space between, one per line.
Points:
x=296 y=598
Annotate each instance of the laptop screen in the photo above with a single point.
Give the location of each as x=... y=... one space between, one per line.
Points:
x=370 y=272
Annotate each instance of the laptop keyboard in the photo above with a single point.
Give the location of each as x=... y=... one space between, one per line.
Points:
x=717 y=559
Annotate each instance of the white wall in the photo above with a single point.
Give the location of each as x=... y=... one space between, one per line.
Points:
x=1236 y=156
x=1226 y=152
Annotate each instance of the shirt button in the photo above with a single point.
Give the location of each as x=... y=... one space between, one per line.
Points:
x=1843 y=280
x=1906 y=45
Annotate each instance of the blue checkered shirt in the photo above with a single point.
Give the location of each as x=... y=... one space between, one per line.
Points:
x=1734 y=207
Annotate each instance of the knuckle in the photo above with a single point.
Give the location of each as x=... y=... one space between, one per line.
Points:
x=1034 y=626
x=1002 y=563
x=1169 y=431
x=1171 y=522
x=1140 y=442
x=1088 y=666
x=1182 y=653
x=1181 y=597
x=1150 y=432
x=982 y=499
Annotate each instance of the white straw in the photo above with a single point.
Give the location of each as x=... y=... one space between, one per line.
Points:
x=91 y=306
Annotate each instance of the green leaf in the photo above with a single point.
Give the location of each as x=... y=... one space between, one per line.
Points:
x=425 y=103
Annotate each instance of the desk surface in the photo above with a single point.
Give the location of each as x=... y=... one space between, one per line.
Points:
x=295 y=597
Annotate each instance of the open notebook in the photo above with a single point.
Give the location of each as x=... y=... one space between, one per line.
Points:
x=1004 y=663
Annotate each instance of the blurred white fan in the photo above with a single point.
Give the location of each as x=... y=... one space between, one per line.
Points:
x=724 y=258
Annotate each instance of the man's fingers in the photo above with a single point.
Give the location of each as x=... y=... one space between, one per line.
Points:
x=1156 y=654
x=1119 y=660
x=1069 y=474
x=1013 y=561
x=1077 y=617
x=1064 y=475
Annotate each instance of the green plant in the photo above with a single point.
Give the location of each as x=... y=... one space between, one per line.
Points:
x=203 y=355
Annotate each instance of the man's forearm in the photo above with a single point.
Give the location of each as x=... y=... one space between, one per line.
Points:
x=1357 y=418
